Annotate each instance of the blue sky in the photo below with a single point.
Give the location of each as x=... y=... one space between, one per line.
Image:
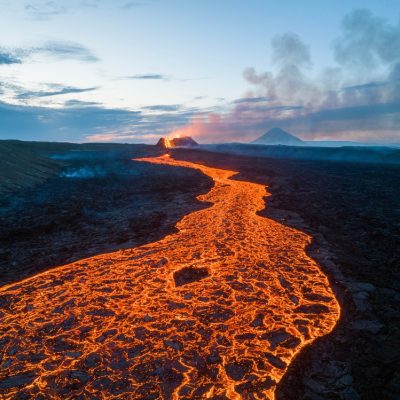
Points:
x=222 y=70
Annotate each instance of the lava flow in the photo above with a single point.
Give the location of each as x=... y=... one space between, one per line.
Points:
x=217 y=310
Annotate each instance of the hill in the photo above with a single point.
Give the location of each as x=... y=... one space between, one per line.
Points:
x=22 y=166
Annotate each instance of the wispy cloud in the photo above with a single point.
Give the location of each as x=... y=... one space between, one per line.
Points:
x=133 y=4
x=7 y=58
x=366 y=86
x=57 y=49
x=163 y=107
x=251 y=100
x=73 y=103
x=46 y=9
x=28 y=95
x=90 y=3
x=159 y=77
x=42 y=10
x=149 y=76
x=66 y=50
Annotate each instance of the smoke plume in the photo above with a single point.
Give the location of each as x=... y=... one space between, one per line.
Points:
x=357 y=98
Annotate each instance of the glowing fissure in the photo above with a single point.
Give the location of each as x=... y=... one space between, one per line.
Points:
x=217 y=310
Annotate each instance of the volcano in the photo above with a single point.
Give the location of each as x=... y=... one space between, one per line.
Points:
x=184 y=141
x=277 y=136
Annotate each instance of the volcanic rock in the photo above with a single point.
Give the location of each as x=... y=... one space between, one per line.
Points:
x=190 y=274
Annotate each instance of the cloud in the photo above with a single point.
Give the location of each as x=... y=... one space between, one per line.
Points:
x=374 y=122
x=79 y=121
x=367 y=41
x=7 y=58
x=293 y=58
x=27 y=95
x=42 y=10
x=148 y=77
x=366 y=86
x=251 y=100
x=160 y=77
x=47 y=9
x=57 y=49
x=65 y=50
x=163 y=107
x=357 y=97
x=67 y=124
x=288 y=49
x=133 y=4
x=118 y=137
x=90 y=3
x=80 y=103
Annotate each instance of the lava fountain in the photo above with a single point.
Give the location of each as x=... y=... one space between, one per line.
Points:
x=217 y=310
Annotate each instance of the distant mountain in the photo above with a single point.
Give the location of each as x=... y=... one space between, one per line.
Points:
x=364 y=154
x=276 y=136
x=184 y=141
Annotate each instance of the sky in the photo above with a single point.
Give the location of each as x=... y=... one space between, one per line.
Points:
x=217 y=70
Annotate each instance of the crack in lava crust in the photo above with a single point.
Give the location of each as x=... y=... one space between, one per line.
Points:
x=217 y=310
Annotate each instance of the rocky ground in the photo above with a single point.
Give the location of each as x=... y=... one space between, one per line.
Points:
x=101 y=201
x=353 y=213
x=99 y=204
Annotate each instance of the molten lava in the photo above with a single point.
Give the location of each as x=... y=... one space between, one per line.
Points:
x=217 y=310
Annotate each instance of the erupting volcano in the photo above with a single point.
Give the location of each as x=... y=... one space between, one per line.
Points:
x=184 y=141
x=217 y=310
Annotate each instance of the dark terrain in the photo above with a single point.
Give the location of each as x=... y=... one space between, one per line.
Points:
x=352 y=210
x=94 y=199
x=99 y=201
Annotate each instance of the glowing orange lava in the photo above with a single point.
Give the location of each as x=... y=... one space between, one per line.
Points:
x=217 y=310
x=168 y=143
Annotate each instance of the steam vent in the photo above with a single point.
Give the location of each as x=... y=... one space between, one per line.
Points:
x=184 y=141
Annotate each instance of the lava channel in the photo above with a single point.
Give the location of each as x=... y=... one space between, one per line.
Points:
x=217 y=310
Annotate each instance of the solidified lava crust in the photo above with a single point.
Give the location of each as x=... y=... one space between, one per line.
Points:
x=217 y=310
x=189 y=274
